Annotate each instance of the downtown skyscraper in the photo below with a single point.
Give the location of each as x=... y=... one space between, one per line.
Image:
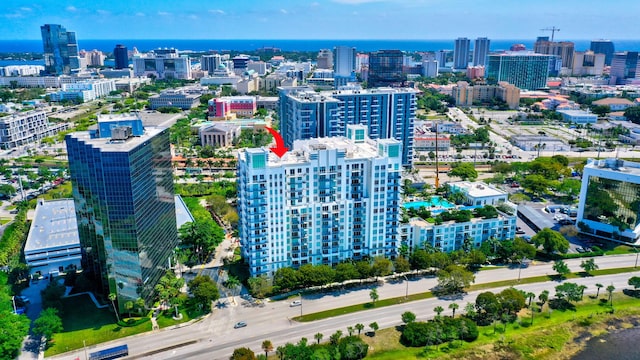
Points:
x=122 y=182
x=461 y=53
x=481 y=51
x=60 y=49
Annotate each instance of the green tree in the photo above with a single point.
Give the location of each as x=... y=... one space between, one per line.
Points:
x=453 y=279
x=14 y=329
x=335 y=337
x=570 y=187
x=561 y=268
x=204 y=291
x=7 y=191
x=487 y=307
x=601 y=110
x=438 y=310
x=267 y=347
x=381 y=266
x=610 y=290
x=260 y=286
x=511 y=300
x=169 y=287
x=346 y=271
x=47 y=324
x=633 y=114
x=589 y=265
x=535 y=184
x=634 y=281
x=551 y=241
x=243 y=353
x=374 y=326
x=464 y=171
x=569 y=291
x=401 y=264
x=128 y=306
x=318 y=337
x=352 y=348
x=287 y=279
x=543 y=297
x=408 y=317
x=373 y=294
x=599 y=286
x=453 y=307
x=359 y=327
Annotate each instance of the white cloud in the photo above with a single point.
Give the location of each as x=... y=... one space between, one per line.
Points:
x=314 y=4
x=216 y=11
x=72 y=8
x=163 y=13
x=193 y=17
x=103 y=12
x=140 y=14
x=25 y=9
x=284 y=11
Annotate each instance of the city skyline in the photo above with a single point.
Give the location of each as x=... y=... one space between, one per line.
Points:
x=320 y=19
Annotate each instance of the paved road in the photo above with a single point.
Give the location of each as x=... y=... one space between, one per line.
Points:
x=215 y=337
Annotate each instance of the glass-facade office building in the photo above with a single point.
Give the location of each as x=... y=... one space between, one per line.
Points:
x=385 y=68
x=124 y=200
x=525 y=70
x=60 y=50
x=610 y=200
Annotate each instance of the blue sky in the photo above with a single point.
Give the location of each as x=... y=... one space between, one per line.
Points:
x=322 y=19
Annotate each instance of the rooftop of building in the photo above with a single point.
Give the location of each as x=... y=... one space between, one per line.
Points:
x=576 y=113
x=173 y=92
x=107 y=144
x=520 y=54
x=306 y=93
x=540 y=138
x=222 y=126
x=613 y=101
x=55 y=224
x=614 y=165
x=477 y=189
x=117 y=117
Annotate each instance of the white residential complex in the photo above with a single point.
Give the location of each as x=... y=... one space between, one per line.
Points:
x=26 y=127
x=327 y=200
x=162 y=64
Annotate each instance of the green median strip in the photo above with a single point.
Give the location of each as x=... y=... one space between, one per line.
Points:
x=426 y=295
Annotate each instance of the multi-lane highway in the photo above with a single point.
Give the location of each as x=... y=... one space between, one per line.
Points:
x=215 y=338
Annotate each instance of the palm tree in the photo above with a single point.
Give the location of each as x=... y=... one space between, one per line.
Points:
x=350 y=330
x=374 y=326
x=140 y=305
x=374 y=295
x=610 y=290
x=113 y=297
x=598 y=285
x=267 y=346
x=280 y=352
x=453 y=307
x=318 y=337
x=128 y=305
x=335 y=337
x=438 y=309
x=530 y=296
x=359 y=327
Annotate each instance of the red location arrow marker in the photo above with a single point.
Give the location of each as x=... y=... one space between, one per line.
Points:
x=279 y=149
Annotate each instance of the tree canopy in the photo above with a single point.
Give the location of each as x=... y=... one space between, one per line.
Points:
x=551 y=241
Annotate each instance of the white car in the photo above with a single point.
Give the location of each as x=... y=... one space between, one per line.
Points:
x=296 y=303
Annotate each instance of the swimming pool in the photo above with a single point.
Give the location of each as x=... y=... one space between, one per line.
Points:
x=436 y=201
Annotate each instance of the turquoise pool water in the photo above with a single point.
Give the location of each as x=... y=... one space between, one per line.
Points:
x=436 y=201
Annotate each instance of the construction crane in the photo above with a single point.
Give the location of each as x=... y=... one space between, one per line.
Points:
x=553 y=30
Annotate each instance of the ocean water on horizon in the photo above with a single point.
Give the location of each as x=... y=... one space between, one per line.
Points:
x=24 y=46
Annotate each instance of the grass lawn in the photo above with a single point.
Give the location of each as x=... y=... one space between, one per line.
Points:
x=166 y=318
x=550 y=337
x=620 y=249
x=83 y=321
x=426 y=295
x=4 y=221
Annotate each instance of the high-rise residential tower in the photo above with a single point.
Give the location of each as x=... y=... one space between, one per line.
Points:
x=625 y=65
x=388 y=113
x=325 y=59
x=461 y=53
x=344 y=66
x=122 y=184
x=121 y=56
x=60 y=50
x=562 y=49
x=523 y=69
x=385 y=68
x=210 y=63
x=605 y=47
x=326 y=201
x=481 y=51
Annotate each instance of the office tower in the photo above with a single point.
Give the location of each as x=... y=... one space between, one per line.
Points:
x=326 y=201
x=587 y=63
x=60 y=50
x=481 y=51
x=240 y=64
x=625 y=65
x=605 y=47
x=210 y=63
x=563 y=49
x=387 y=113
x=525 y=70
x=122 y=184
x=385 y=68
x=430 y=68
x=94 y=58
x=325 y=59
x=461 y=53
x=121 y=56
x=441 y=57
x=163 y=64
x=609 y=205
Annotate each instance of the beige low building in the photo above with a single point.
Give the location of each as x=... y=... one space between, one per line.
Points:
x=219 y=134
x=465 y=94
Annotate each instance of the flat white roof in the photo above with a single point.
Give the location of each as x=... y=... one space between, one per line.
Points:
x=54 y=226
x=477 y=189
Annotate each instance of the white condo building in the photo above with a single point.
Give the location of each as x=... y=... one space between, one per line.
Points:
x=327 y=200
x=163 y=64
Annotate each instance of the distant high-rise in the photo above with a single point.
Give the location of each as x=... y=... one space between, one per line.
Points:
x=121 y=56
x=605 y=47
x=325 y=59
x=441 y=57
x=122 y=183
x=625 y=65
x=481 y=51
x=461 y=53
x=345 y=60
x=385 y=68
x=60 y=50
x=525 y=70
x=563 y=49
x=210 y=63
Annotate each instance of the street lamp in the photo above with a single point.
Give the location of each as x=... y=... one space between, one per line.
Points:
x=637 y=253
x=406 y=294
x=13 y=300
x=520 y=268
x=300 y=304
x=84 y=345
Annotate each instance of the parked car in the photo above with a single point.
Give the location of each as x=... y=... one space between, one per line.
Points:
x=239 y=324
